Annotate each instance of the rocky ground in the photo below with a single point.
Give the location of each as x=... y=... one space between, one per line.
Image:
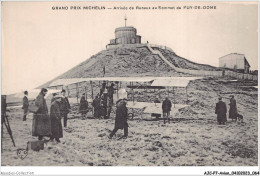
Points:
x=192 y=138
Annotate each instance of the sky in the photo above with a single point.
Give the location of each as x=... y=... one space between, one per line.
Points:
x=39 y=43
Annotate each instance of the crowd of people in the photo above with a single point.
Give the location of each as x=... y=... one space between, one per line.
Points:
x=49 y=124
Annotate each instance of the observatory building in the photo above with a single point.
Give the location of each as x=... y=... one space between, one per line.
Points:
x=125 y=35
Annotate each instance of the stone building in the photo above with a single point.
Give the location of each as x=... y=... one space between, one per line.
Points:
x=235 y=61
x=125 y=35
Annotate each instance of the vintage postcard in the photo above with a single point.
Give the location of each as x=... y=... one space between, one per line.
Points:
x=130 y=84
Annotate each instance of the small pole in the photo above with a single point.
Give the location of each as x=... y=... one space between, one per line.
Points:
x=91 y=90
x=125 y=20
x=86 y=92
x=132 y=99
x=77 y=92
x=186 y=95
x=173 y=97
x=117 y=90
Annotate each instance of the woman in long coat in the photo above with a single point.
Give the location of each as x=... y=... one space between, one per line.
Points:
x=41 y=122
x=83 y=107
x=233 y=109
x=55 y=114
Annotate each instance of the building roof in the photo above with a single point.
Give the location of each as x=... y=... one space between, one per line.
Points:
x=239 y=55
x=125 y=28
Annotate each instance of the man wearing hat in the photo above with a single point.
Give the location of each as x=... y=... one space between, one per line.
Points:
x=65 y=107
x=41 y=122
x=221 y=110
x=121 y=118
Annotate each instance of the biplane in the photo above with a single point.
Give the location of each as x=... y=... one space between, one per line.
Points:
x=130 y=84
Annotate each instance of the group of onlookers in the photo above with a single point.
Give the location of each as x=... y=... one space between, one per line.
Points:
x=44 y=123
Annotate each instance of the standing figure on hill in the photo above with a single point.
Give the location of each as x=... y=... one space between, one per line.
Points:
x=65 y=107
x=83 y=107
x=221 y=110
x=56 y=115
x=233 y=108
x=121 y=118
x=96 y=105
x=25 y=105
x=155 y=114
x=166 y=107
x=41 y=122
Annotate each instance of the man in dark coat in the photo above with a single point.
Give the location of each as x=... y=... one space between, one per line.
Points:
x=221 y=111
x=55 y=114
x=25 y=105
x=83 y=106
x=121 y=118
x=166 y=107
x=41 y=122
x=233 y=108
x=65 y=107
x=96 y=106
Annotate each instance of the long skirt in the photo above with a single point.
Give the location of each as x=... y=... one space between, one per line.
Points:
x=41 y=125
x=56 y=128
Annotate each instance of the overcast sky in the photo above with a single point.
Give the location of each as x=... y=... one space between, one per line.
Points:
x=39 y=44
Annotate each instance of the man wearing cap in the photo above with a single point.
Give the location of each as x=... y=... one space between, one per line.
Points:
x=25 y=105
x=41 y=122
x=121 y=118
x=65 y=107
x=221 y=111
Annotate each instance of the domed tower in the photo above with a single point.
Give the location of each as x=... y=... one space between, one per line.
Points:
x=125 y=35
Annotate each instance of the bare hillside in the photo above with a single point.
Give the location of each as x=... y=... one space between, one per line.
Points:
x=125 y=61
